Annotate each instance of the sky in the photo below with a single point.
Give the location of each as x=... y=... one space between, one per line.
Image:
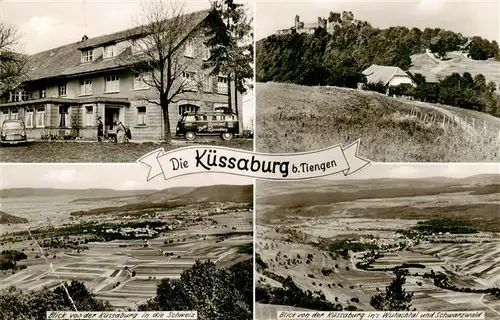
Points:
x=471 y=18
x=47 y=24
x=421 y=170
x=126 y=176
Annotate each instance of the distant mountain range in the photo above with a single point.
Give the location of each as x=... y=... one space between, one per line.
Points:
x=51 y=192
x=323 y=192
x=215 y=193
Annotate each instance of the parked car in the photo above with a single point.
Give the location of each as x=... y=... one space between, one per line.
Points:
x=193 y=124
x=13 y=132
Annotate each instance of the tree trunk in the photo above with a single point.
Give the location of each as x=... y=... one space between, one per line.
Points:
x=166 y=124
x=236 y=110
x=229 y=102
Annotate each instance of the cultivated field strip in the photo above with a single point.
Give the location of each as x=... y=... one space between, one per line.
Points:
x=481 y=260
x=347 y=282
x=106 y=268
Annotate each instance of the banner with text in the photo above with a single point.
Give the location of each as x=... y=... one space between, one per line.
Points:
x=394 y=315
x=126 y=315
x=270 y=166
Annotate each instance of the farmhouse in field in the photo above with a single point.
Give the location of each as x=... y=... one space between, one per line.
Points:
x=388 y=76
x=71 y=86
x=465 y=47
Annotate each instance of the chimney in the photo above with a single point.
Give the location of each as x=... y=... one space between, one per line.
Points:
x=84 y=38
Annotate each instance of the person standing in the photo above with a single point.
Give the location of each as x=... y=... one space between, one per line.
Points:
x=100 y=129
x=120 y=132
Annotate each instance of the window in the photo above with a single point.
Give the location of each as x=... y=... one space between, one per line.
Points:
x=137 y=46
x=85 y=87
x=25 y=96
x=14 y=114
x=189 y=50
x=141 y=116
x=221 y=107
x=189 y=80
x=87 y=55
x=206 y=52
x=187 y=108
x=89 y=116
x=62 y=90
x=206 y=83
x=28 y=117
x=112 y=84
x=20 y=95
x=40 y=117
x=222 y=84
x=63 y=116
x=190 y=119
x=42 y=94
x=141 y=81
x=109 y=51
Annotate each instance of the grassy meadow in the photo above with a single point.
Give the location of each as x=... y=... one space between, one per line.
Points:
x=293 y=118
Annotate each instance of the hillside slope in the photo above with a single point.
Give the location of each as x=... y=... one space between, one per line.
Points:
x=141 y=196
x=470 y=199
x=292 y=118
x=214 y=194
x=6 y=218
x=220 y=193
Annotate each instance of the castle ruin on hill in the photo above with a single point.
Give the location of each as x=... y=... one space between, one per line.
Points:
x=334 y=20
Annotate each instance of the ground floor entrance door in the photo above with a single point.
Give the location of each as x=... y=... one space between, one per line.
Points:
x=111 y=116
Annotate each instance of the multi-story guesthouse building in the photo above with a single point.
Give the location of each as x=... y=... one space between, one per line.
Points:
x=70 y=86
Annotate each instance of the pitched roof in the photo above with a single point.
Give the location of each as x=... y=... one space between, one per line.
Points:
x=465 y=45
x=384 y=74
x=66 y=60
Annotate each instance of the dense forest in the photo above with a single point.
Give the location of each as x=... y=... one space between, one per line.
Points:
x=338 y=59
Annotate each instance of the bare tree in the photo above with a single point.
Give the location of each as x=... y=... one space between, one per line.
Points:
x=13 y=65
x=158 y=55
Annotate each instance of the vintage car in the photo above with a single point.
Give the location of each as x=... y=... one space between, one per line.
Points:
x=13 y=132
x=193 y=124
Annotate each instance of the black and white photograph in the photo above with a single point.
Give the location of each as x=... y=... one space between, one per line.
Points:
x=108 y=81
x=393 y=237
x=415 y=80
x=90 y=238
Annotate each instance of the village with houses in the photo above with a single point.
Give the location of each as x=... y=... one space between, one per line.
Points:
x=121 y=248
x=341 y=243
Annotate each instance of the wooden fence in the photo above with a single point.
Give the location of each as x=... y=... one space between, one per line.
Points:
x=473 y=126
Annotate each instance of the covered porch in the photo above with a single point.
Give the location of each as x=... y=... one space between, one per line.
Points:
x=65 y=119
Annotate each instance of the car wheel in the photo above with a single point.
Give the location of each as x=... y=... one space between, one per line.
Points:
x=190 y=135
x=227 y=136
